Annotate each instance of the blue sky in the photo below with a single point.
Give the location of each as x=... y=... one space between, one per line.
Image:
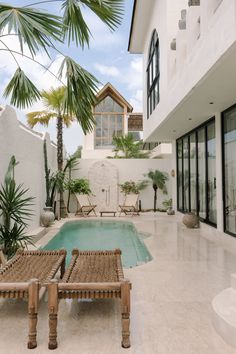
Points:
x=107 y=59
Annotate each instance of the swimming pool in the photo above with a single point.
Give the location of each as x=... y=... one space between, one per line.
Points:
x=102 y=234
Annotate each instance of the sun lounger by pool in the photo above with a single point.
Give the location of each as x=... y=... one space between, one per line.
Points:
x=24 y=275
x=84 y=206
x=91 y=275
x=130 y=205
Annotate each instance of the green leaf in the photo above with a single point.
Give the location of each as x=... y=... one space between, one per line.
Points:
x=80 y=95
x=75 y=28
x=34 y=28
x=21 y=89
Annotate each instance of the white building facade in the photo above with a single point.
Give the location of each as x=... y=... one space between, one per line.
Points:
x=112 y=115
x=189 y=52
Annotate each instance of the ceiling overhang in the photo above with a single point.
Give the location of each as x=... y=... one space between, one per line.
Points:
x=142 y=10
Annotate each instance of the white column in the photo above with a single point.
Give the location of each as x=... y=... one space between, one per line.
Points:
x=219 y=177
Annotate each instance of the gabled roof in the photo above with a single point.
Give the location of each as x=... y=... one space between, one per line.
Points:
x=109 y=90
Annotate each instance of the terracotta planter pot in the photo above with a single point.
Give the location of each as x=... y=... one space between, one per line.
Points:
x=191 y=220
x=47 y=216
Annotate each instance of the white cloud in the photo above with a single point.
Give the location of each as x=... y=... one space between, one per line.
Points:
x=133 y=76
x=102 y=36
x=136 y=101
x=108 y=70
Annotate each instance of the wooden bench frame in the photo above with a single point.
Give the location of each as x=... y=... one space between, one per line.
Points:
x=92 y=290
x=29 y=289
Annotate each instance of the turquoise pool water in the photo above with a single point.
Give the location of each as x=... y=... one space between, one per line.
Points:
x=99 y=235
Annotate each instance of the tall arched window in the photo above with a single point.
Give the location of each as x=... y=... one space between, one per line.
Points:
x=153 y=74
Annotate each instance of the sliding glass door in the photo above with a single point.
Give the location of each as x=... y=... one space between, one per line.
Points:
x=201 y=146
x=196 y=176
x=229 y=164
x=211 y=172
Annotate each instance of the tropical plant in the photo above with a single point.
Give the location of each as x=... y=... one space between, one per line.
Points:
x=15 y=211
x=53 y=100
x=71 y=164
x=130 y=187
x=158 y=179
x=167 y=203
x=39 y=31
x=48 y=202
x=129 y=148
x=78 y=185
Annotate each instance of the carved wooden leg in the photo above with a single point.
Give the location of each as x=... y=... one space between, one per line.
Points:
x=125 y=309
x=33 y=302
x=63 y=268
x=52 y=311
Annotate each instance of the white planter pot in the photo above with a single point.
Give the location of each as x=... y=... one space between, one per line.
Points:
x=47 y=216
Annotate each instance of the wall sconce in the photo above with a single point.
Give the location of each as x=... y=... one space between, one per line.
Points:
x=172 y=173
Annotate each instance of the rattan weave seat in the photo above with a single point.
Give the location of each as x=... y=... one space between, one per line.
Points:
x=91 y=275
x=23 y=276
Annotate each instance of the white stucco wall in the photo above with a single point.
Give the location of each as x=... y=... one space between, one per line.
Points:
x=27 y=146
x=199 y=48
x=131 y=169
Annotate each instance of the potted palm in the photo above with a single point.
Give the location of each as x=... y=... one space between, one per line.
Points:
x=158 y=180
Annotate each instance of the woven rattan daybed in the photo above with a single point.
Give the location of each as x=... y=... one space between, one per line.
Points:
x=24 y=275
x=91 y=275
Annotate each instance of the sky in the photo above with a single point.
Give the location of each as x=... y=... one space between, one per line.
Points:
x=107 y=59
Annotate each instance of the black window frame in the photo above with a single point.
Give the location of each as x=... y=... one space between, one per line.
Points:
x=223 y=169
x=194 y=131
x=153 y=66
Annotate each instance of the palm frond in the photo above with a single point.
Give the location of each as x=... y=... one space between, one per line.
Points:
x=75 y=28
x=80 y=95
x=40 y=117
x=34 y=28
x=21 y=89
x=53 y=98
x=109 y=11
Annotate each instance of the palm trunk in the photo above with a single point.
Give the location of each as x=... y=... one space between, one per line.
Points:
x=63 y=211
x=155 y=197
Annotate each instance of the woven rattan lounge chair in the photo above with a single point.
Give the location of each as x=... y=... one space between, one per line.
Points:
x=24 y=275
x=91 y=275
x=130 y=205
x=84 y=206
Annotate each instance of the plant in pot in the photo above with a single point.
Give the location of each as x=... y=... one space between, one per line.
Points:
x=47 y=216
x=15 y=211
x=78 y=185
x=168 y=205
x=131 y=187
x=158 y=180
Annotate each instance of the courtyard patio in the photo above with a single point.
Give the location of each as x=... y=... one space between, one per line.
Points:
x=170 y=300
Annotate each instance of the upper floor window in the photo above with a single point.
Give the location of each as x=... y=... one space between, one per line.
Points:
x=153 y=74
x=109 y=117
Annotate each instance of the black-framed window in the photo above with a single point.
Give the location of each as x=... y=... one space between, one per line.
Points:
x=229 y=169
x=196 y=172
x=153 y=74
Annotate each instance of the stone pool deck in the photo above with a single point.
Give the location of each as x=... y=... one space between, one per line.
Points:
x=171 y=299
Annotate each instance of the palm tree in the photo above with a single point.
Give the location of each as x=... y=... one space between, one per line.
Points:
x=53 y=101
x=158 y=179
x=39 y=31
x=129 y=148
